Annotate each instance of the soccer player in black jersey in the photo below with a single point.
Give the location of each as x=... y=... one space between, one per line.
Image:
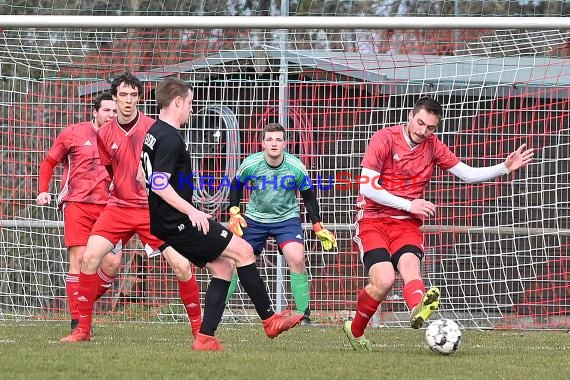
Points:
x=194 y=234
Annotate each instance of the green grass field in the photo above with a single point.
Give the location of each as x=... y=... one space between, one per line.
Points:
x=162 y=351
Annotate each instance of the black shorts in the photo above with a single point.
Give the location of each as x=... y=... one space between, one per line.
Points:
x=200 y=249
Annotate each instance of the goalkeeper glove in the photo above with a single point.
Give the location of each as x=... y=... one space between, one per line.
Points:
x=325 y=236
x=237 y=222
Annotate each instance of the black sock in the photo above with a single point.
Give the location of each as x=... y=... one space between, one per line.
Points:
x=255 y=289
x=214 y=305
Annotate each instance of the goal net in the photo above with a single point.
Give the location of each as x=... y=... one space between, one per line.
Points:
x=497 y=250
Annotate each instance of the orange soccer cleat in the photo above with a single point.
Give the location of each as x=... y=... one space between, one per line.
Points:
x=280 y=322
x=206 y=343
x=77 y=335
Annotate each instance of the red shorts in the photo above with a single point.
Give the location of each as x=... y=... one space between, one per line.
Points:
x=388 y=233
x=119 y=224
x=78 y=221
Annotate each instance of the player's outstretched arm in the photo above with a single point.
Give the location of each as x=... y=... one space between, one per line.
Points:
x=516 y=160
x=519 y=158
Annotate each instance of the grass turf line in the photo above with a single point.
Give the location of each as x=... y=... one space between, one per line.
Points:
x=125 y=351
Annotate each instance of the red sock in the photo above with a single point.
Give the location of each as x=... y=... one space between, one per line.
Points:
x=104 y=283
x=86 y=299
x=414 y=292
x=190 y=296
x=365 y=309
x=71 y=289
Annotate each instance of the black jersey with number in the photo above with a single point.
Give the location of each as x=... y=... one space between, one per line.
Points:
x=164 y=151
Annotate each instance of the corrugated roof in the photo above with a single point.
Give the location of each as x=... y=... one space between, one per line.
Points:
x=445 y=72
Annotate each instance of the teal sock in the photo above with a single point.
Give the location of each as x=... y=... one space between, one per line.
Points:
x=300 y=290
x=232 y=288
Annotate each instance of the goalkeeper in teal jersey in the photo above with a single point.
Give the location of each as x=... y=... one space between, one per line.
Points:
x=274 y=176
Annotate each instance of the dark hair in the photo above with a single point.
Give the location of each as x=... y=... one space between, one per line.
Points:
x=99 y=99
x=273 y=127
x=430 y=105
x=168 y=89
x=128 y=79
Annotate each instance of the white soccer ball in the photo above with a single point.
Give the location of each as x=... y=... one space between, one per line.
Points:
x=443 y=336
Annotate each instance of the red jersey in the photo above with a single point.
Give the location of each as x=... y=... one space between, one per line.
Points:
x=84 y=179
x=122 y=150
x=404 y=171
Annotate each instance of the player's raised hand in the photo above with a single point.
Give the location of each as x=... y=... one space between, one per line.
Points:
x=199 y=220
x=519 y=158
x=236 y=222
x=422 y=207
x=43 y=198
x=325 y=236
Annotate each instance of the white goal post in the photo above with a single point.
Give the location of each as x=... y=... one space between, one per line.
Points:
x=282 y=22
x=498 y=250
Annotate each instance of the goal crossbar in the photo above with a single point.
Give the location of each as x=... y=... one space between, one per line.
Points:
x=281 y=22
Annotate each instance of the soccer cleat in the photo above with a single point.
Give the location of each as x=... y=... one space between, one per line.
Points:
x=77 y=335
x=358 y=344
x=422 y=311
x=280 y=322
x=206 y=343
x=306 y=320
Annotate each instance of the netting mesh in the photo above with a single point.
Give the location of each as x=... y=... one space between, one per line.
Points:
x=497 y=250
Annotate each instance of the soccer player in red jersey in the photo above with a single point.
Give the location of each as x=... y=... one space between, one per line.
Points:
x=399 y=164
x=83 y=194
x=166 y=165
x=120 y=144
